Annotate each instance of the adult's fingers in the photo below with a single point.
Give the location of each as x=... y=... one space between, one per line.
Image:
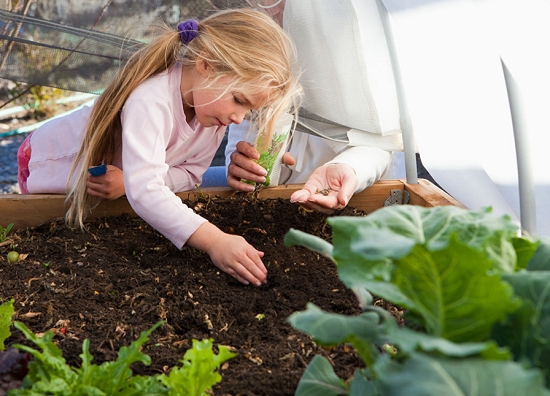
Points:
x=316 y=202
x=300 y=196
x=288 y=159
x=247 y=150
x=243 y=168
x=240 y=160
x=237 y=172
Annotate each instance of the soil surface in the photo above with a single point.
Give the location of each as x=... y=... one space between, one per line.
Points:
x=120 y=277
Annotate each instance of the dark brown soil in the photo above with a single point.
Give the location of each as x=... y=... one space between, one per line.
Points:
x=120 y=277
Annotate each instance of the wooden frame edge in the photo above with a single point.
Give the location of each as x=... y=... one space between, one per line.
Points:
x=35 y=209
x=427 y=194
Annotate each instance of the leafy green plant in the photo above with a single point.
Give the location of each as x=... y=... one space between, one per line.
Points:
x=476 y=299
x=42 y=101
x=4 y=232
x=6 y=314
x=49 y=374
x=268 y=157
x=199 y=370
x=271 y=146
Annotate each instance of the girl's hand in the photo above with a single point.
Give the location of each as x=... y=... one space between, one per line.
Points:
x=329 y=188
x=108 y=186
x=230 y=253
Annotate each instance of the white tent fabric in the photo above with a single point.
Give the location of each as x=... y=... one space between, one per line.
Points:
x=475 y=77
x=520 y=31
x=453 y=85
x=347 y=80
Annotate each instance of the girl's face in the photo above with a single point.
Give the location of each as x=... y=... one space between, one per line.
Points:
x=213 y=107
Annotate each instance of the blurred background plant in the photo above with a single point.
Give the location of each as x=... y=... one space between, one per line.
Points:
x=40 y=101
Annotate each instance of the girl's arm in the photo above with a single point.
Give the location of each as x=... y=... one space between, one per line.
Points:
x=230 y=253
x=184 y=177
x=147 y=130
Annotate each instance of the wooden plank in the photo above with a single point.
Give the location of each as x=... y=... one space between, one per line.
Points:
x=30 y=210
x=427 y=194
x=373 y=197
x=35 y=209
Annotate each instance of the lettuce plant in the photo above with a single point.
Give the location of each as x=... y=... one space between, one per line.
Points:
x=476 y=295
x=49 y=374
x=6 y=313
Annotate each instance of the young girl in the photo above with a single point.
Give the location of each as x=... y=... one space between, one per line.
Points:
x=159 y=124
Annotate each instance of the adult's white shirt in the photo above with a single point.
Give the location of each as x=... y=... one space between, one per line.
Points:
x=347 y=77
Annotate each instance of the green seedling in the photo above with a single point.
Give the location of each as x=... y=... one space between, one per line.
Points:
x=271 y=148
x=4 y=232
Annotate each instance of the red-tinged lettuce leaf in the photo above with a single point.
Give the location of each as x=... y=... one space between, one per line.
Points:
x=13 y=365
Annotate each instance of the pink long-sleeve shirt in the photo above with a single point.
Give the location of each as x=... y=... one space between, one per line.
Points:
x=161 y=154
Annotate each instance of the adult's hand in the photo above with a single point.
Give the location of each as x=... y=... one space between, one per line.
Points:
x=108 y=186
x=244 y=167
x=329 y=188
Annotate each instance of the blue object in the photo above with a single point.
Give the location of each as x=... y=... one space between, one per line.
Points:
x=98 y=170
x=215 y=176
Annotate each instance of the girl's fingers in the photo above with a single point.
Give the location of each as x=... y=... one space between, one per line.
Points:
x=253 y=272
x=241 y=279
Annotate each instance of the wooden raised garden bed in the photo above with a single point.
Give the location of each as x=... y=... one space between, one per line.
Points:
x=33 y=210
x=120 y=277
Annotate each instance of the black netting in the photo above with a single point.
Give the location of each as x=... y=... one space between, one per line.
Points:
x=46 y=53
x=56 y=54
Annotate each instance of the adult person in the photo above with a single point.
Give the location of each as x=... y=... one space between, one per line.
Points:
x=347 y=79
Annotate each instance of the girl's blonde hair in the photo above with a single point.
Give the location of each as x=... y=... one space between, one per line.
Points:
x=245 y=45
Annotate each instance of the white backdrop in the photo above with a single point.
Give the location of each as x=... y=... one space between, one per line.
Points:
x=448 y=55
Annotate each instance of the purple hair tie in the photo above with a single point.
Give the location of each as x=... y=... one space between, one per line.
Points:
x=188 y=30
